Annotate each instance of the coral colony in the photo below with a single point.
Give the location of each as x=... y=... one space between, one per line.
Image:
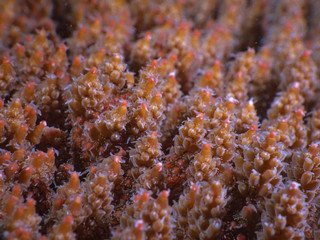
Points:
x=159 y=119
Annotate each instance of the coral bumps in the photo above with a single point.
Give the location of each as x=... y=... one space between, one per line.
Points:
x=149 y=119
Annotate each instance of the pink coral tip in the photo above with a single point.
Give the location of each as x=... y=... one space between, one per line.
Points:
x=6 y=60
x=68 y=220
x=253 y=127
x=206 y=146
x=294 y=185
x=307 y=54
x=117 y=159
x=272 y=135
x=16 y=190
x=124 y=103
x=6 y=156
x=144 y=106
x=145 y=196
x=200 y=116
x=208 y=75
x=240 y=74
x=43 y=124
x=139 y=224
x=50 y=153
x=148 y=35
x=300 y=112
x=158 y=167
x=31 y=202
x=194 y=187
x=94 y=70
x=164 y=194
x=152 y=80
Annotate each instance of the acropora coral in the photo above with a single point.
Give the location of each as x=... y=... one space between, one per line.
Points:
x=159 y=119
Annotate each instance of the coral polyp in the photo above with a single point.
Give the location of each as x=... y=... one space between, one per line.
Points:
x=149 y=119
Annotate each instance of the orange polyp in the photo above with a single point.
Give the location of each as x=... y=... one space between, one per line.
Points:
x=76 y=60
x=19 y=214
x=217 y=63
x=158 y=167
x=58 y=202
x=154 y=63
x=28 y=171
x=145 y=196
x=306 y=54
x=194 y=187
x=300 y=112
x=206 y=146
x=256 y=137
x=263 y=65
x=200 y=116
x=208 y=75
x=68 y=220
x=197 y=33
x=93 y=169
x=253 y=127
x=40 y=155
x=117 y=159
x=6 y=60
x=77 y=204
x=152 y=80
x=180 y=163
x=128 y=182
x=175 y=170
x=144 y=106
x=62 y=47
x=18 y=154
x=52 y=63
x=11 y=204
x=74 y=180
x=272 y=135
x=19 y=48
x=31 y=202
x=124 y=103
x=16 y=191
x=6 y=157
x=94 y=70
x=27 y=109
x=19 y=232
x=83 y=30
x=88 y=146
x=50 y=153
x=2 y=123
x=240 y=74
x=148 y=35
x=39 y=54
x=33 y=112
x=139 y=225
x=164 y=194
x=136 y=198
x=191 y=54
x=12 y=169
x=207 y=93
x=28 y=37
x=43 y=124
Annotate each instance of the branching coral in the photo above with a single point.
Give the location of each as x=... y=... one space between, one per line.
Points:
x=159 y=119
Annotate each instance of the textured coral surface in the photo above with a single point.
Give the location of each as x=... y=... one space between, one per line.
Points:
x=159 y=119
